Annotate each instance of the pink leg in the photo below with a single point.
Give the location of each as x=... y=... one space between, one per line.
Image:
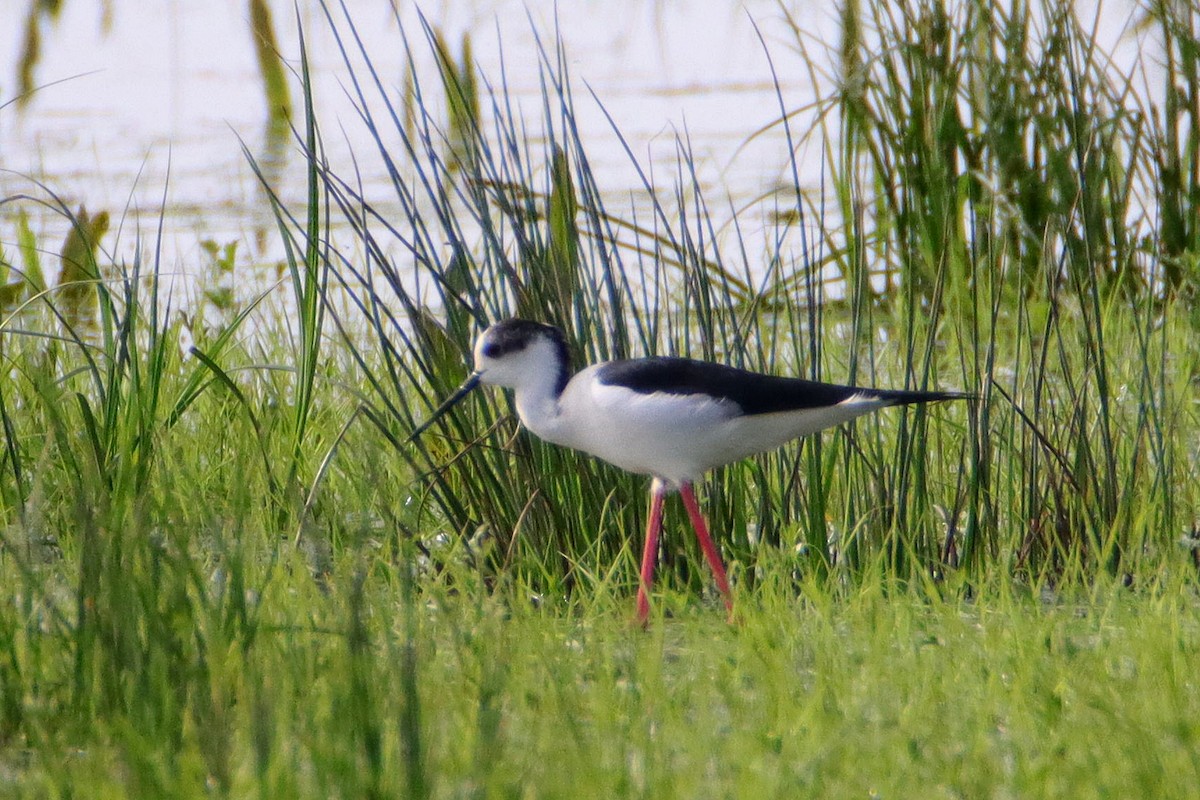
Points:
x=650 y=552
x=706 y=544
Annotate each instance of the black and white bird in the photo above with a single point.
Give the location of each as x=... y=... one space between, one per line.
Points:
x=671 y=418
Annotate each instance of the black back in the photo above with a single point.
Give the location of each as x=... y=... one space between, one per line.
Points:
x=752 y=392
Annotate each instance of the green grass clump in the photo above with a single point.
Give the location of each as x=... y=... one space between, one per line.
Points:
x=259 y=683
x=1003 y=266
x=228 y=573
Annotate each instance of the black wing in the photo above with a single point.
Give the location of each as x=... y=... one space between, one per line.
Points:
x=753 y=392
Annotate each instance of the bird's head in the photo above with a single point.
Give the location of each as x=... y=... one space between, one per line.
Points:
x=515 y=353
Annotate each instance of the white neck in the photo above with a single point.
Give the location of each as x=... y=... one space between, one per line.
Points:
x=537 y=406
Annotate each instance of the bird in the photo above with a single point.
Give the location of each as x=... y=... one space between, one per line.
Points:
x=671 y=418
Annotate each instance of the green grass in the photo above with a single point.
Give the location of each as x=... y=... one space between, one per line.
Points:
x=227 y=573
x=359 y=692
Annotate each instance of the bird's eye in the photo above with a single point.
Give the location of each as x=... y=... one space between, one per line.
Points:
x=491 y=349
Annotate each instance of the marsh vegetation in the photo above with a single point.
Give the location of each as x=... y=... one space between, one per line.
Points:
x=227 y=572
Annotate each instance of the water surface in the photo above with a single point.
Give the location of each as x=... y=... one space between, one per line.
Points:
x=149 y=114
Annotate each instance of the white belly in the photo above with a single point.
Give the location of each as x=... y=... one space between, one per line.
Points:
x=674 y=437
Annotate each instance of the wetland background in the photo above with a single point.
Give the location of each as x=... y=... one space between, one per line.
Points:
x=227 y=572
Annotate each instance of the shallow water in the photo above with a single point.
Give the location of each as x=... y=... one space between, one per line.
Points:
x=146 y=117
x=151 y=112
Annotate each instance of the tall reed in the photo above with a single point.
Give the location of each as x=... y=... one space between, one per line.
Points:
x=988 y=229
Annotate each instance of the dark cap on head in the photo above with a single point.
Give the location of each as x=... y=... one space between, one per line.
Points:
x=514 y=335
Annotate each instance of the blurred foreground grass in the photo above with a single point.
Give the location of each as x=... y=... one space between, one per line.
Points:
x=357 y=692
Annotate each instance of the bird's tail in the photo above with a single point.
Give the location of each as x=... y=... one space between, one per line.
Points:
x=905 y=397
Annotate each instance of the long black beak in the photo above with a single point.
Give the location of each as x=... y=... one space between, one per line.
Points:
x=470 y=383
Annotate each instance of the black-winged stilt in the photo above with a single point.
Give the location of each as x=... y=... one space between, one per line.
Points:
x=671 y=418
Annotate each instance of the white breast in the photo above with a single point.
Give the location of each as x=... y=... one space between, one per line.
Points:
x=674 y=437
